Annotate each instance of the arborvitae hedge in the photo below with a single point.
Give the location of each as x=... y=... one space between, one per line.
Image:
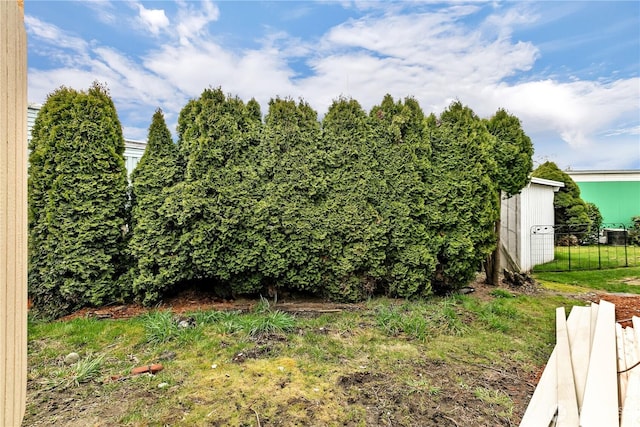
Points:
x=77 y=202
x=355 y=232
x=388 y=201
x=216 y=204
x=292 y=185
x=154 y=240
x=403 y=158
x=463 y=194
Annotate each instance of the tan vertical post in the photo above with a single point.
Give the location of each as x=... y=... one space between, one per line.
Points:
x=13 y=213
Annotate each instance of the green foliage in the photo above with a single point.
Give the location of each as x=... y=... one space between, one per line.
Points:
x=595 y=221
x=634 y=231
x=463 y=194
x=87 y=369
x=501 y=293
x=217 y=205
x=420 y=321
x=389 y=201
x=355 y=232
x=77 y=203
x=398 y=191
x=155 y=238
x=271 y=322
x=570 y=209
x=512 y=153
x=292 y=186
x=160 y=327
x=84 y=370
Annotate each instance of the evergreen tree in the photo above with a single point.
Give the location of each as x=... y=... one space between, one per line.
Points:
x=513 y=153
x=569 y=208
x=399 y=190
x=154 y=239
x=214 y=205
x=293 y=184
x=77 y=202
x=463 y=194
x=355 y=240
x=595 y=222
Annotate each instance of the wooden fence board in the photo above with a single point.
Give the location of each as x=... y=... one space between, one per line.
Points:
x=567 y=402
x=632 y=356
x=594 y=319
x=630 y=416
x=600 y=406
x=544 y=402
x=579 y=327
x=622 y=364
x=13 y=213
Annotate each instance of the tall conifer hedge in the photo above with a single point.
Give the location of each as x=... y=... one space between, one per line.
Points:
x=154 y=241
x=388 y=201
x=77 y=202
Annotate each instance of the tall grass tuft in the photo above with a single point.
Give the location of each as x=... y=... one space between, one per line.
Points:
x=269 y=323
x=421 y=321
x=86 y=369
x=83 y=371
x=160 y=327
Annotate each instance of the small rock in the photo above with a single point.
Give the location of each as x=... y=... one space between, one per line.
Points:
x=186 y=322
x=167 y=355
x=71 y=358
x=163 y=385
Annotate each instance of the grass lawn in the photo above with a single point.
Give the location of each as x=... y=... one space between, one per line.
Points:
x=469 y=360
x=624 y=280
x=463 y=359
x=592 y=258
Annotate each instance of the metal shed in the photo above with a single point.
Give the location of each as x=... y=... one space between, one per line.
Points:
x=521 y=215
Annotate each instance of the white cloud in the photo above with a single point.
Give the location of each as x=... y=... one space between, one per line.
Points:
x=432 y=56
x=576 y=110
x=104 y=10
x=51 y=34
x=154 y=19
x=192 y=22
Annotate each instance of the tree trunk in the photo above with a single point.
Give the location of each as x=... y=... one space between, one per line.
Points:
x=492 y=263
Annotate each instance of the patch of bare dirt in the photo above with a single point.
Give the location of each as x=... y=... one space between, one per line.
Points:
x=441 y=394
x=89 y=405
x=627 y=306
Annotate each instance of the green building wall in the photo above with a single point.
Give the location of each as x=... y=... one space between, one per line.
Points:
x=618 y=201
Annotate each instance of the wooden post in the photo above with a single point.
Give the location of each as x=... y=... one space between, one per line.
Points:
x=13 y=213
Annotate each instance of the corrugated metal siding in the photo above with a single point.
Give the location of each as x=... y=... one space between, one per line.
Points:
x=32 y=113
x=133 y=151
x=13 y=213
x=536 y=210
x=518 y=214
x=510 y=227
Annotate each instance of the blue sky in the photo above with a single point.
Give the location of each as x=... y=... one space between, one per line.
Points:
x=570 y=70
